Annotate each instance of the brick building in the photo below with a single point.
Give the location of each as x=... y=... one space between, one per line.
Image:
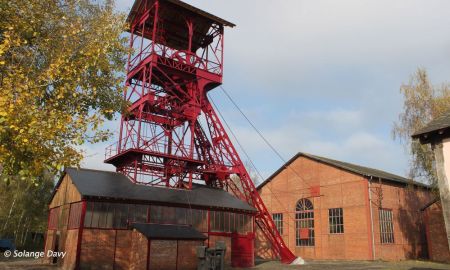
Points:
x=437 y=243
x=328 y=209
x=104 y=221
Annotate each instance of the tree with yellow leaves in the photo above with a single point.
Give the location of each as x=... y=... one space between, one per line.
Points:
x=422 y=103
x=61 y=64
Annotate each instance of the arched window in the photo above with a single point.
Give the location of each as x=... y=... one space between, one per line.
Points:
x=304 y=223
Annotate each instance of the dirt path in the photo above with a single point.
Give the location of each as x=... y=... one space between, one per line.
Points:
x=354 y=265
x=32 y=264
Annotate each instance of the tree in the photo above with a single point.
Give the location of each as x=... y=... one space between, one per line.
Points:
x=422 y=103
x=61 y=64
x=24 y=208
x=252 y=172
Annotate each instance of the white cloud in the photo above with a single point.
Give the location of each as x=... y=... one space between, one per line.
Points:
x=315 y=132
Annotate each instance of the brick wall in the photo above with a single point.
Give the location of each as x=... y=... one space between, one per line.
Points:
x=438 y=249
x=212 y=243
x=409 y=227
x=126 y=249
x=187 y=254
x=139 y=251
x=95 y=242
x=123 y=251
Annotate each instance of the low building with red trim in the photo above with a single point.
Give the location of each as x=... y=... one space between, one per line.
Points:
x=104 y=221
x=329 y=209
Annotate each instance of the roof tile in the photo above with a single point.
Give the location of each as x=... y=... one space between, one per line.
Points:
x=361 y=170
x=112 y=185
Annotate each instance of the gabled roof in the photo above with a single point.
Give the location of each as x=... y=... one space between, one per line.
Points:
x=361 y=170
x=112 y=185
x=440 y=127
x=164 y=231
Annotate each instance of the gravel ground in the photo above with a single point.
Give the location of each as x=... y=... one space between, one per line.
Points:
x=353 y=265
x=22 y=264
x=31 y=264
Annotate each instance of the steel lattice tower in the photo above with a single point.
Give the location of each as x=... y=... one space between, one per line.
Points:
x=170 y=135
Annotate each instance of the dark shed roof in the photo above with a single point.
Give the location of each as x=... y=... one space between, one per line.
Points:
x=361 y=170
x=439 y=127
x=162 y=231
x=112 y=185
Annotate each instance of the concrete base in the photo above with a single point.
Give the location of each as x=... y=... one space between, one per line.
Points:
x=298 y=261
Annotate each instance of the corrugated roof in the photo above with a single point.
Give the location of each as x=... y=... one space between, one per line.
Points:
x=112 y=185
x=438 y=126
x=163 y=231
x=361 y=170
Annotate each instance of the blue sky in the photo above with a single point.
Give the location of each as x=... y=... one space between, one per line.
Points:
x=322 y=76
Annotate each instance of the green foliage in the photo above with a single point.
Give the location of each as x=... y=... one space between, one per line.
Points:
x=24 y=207
x=422 y=103
x=61 y=64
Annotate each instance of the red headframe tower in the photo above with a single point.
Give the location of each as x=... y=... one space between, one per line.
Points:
x=171 y=136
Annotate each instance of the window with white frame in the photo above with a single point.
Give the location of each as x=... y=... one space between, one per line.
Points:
x=386 y=226
x=278 y=220
x=336 y=220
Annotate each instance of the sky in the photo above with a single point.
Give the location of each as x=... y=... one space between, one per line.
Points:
x=321 y=77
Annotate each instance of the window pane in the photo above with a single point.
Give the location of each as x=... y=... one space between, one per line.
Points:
x=336 y=220
x=120 y=216
x=278 y=220
x=232 y=222
x=197 y=219
x=222 y=221
x=248 y=223
x=304 y=223
x=169 y=215
x=155 y=214
x=102 y=215
x=226 y=222
x=239 y=223
x=204 y=225
x=244 y=227
x=386 y=226
x=139 y=213
x=217 y=224
x=96 y=214
x=180 y=215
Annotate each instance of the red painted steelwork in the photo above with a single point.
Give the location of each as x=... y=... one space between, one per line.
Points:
x=171 y=135
x=80 y=235
x=242 y=250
